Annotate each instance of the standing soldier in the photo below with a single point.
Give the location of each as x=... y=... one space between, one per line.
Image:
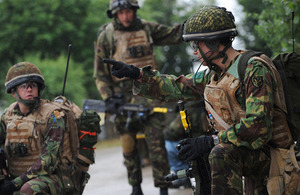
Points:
x=243 y=136
x=36 y=140
x=131 y=39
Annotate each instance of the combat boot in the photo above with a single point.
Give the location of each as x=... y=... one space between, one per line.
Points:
x=163 y=191
x=137 y=190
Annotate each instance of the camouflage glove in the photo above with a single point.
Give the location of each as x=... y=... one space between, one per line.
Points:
x=120 y=69
x=7 y=187
x=191 y=148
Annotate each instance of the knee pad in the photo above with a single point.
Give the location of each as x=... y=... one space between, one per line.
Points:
x=128 y=143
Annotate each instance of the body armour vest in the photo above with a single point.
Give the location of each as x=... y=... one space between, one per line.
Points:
x=25 y=135
x=221 y=94
x=134 y=47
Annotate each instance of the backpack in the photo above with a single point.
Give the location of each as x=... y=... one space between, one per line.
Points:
x=288 y=66
x=84 y=128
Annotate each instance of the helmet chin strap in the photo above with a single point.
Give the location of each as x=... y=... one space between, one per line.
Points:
x=221 y=54
x=29 y=103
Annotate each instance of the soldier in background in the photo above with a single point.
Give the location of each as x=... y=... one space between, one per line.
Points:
x=131 y=39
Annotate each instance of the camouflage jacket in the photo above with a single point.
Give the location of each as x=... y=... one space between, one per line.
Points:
x=253 y=131
x=50 y=145
x=161 y=35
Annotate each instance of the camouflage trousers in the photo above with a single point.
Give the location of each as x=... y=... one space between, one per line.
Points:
x=41 y=185
x=229 y=163
x=152 y=127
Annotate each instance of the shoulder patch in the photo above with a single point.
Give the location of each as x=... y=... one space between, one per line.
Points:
x=257 y=81
x=57 y=114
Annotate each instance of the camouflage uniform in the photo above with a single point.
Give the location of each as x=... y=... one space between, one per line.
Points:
x=245 y=136
x=246 y=139
x=40 y=177
x=32 y=141
x=108 y=86
x=40 y=138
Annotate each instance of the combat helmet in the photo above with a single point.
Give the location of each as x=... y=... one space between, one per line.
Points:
x=23 y=72
x=209 y=23
x=117 y=5
x=212 y=25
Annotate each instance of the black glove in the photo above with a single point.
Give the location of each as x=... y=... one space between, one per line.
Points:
x=7 y=187
x=120 y=69
x=191 y=148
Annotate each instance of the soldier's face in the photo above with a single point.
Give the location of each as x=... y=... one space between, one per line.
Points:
x=125 y=16
x=208 y=53
x=27 y=91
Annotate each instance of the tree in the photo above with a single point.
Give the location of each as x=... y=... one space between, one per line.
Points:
x=48 y=27
x=269 y=25
x=275 y=27
x=247 y=30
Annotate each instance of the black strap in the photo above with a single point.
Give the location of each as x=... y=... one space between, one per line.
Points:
x=242 y=65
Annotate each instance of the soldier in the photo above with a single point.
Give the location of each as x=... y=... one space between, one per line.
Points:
x=34 y=134
x=243 y=136
x=131 y=39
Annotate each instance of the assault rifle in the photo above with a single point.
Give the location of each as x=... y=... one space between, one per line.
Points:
x=198 y=169
x=117 y=106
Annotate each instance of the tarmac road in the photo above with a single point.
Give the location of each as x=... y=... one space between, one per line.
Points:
x=109 y=176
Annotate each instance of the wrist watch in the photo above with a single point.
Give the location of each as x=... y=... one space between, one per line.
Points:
x=216 y=139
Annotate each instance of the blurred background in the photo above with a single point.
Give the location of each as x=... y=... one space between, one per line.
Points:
x=40 y=32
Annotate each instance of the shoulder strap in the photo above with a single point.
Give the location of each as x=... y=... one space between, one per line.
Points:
x=109 y=32
x=242 y=65
x=147 y=28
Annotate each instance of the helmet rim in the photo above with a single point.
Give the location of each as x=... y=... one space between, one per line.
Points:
x=210 y=35
x=21 y=73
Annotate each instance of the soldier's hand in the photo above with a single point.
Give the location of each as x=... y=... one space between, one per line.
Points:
x=191 y=148
x=121 y=69
x=7 y=187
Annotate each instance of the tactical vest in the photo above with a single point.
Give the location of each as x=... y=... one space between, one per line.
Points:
x=25 y=135
x=222 y=95
x=132 y=47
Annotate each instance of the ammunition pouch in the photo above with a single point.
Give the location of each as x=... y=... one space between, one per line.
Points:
x=138 y=51
x=17 y=149
x=73 y=179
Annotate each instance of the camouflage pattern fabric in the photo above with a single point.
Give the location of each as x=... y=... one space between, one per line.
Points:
x=34 y=179
x=161 y=35
x=226 y=161
x=155 y=141
x=252 y=132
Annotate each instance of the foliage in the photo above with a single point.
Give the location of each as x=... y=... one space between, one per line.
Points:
x=54 y=73
x=275 y=24
x=40 y=31
x=269 y=25
x=247 y=30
